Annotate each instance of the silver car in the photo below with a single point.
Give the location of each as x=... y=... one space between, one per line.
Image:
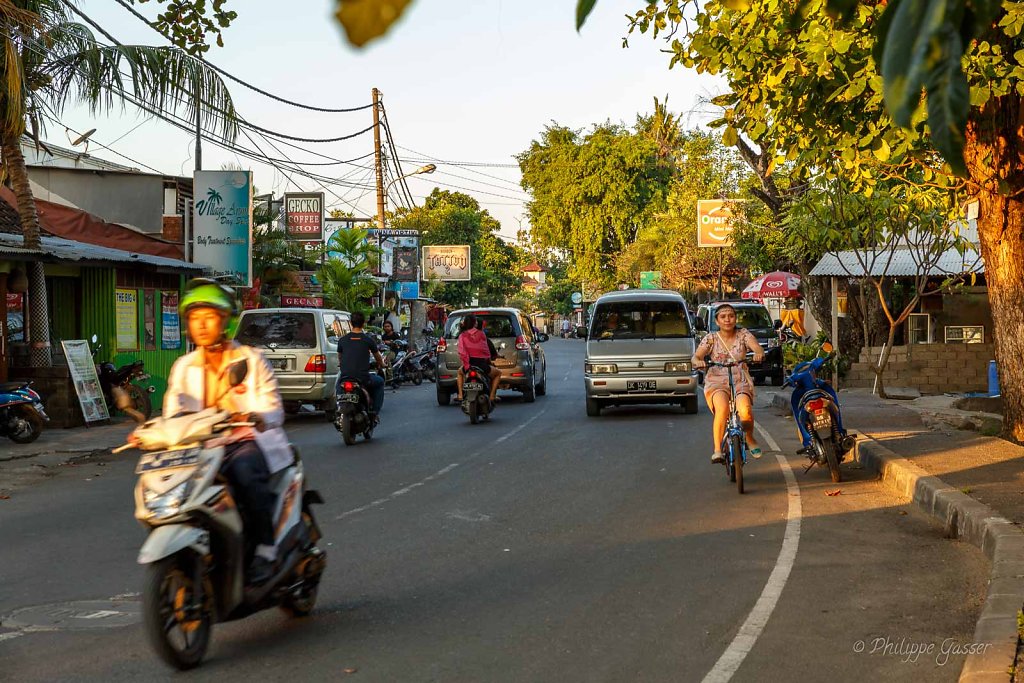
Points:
x=639 y=349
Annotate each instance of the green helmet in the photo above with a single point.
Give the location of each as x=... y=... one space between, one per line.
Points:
x=203 y=292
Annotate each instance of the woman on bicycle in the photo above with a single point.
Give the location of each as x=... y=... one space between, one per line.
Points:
x=729 y=344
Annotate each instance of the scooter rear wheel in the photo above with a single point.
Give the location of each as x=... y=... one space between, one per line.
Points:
x=166 y=600
x=347 y=433
x=30 y=424
x=828 y=451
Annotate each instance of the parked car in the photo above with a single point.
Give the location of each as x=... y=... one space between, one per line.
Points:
x=754 y=317
x=302 y=346
x=522 y=362
x=639 y=349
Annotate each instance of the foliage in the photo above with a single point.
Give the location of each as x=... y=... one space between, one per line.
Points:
x=556 y=297
x=190 y=23
x=346 y=279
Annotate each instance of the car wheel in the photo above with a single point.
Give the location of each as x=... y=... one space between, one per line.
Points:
x=593 y=407
x=542 y=388
x=443 y=397
x=530 y=392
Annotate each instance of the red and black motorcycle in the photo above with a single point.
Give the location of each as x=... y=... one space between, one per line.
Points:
x=124 y=377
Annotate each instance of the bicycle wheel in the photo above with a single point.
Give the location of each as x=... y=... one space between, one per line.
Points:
x=736 y=450
x=730 y=470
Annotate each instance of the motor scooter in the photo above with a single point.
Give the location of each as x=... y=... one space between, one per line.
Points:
x=817 y=414
x=476 y=395
x=21 y=412
x=353 y=416
x=197 y=549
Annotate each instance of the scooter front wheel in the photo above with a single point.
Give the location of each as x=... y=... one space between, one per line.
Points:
x=177 y=629
x=28 y=424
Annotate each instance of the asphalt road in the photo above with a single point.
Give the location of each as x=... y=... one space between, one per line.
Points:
x=542 y=546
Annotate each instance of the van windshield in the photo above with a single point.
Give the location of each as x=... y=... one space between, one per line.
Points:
x=278 y=330
x=640 y=320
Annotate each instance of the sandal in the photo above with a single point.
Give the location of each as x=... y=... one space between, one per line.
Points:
x=756 y=453
x=717 y=458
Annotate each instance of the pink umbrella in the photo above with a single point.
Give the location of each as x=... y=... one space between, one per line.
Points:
x=775 y=285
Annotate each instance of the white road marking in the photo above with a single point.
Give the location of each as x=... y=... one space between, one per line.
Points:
x=440 y=473
x=730 y=661
x=10 y=636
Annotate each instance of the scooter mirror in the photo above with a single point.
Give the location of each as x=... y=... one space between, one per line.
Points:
x=94 y=339
x=777 y=325
x=237 y=372
x=827 y=347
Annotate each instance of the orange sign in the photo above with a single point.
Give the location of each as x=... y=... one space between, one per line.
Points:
x=714 y=223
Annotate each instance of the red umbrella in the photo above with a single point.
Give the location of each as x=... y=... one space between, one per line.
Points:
x=775 y=285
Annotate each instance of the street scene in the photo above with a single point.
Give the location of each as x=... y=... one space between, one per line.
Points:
x=682 y=344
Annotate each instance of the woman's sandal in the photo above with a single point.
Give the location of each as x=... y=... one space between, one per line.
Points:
x=756 y=453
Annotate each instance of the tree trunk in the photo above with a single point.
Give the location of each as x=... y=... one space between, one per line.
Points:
x=38 y=314
x=884 y=361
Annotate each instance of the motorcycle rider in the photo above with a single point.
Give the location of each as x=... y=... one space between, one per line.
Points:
x=476 y=349
x=198 y=380
x=354 y=351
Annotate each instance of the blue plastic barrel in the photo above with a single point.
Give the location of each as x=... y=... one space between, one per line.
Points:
x=993 y=379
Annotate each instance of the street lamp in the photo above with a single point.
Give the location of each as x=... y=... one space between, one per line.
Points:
x=429 y=168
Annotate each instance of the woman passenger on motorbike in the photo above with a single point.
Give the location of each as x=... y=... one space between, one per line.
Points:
x=475 y=349
x=729 y=343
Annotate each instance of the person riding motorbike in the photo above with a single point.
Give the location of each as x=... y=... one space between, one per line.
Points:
x=198 y=380
x=388 y=338
x=354 y=351
x=476 y=349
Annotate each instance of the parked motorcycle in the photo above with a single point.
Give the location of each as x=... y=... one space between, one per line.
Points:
x=817 y=414
x=197 y=550
x=21 y=412
x=428 y=364
x=407 y=369
x=124 y=377
x=476 y=395
x=353 y=412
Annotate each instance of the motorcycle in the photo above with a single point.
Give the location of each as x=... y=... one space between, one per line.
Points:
x=407 y=369
x=817 y=414
x=124 y=377
x=476 y=395
x=428 y=364
x=197 y=551
x=353 y=412
x=21 y=412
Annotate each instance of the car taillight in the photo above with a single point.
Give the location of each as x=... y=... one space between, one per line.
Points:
x=522 y=344
x=316 y=363
x=816 y=405
x=348 y=387
x=442 y=345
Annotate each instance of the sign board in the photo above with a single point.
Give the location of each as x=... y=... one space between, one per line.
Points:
x=650 y=279
x=294 y=301
x=388 y=232
x=170 y=321
x=304 y=216
x=87 y=384
x=405 y=264
x=223 y=225
x=446 y=263
x=308 y=283
x=126 y=310
x=714 y=223
x=409 y=290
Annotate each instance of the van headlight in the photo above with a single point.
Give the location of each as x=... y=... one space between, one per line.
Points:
x=167 y=504
x=601 y=368
x=683 y=366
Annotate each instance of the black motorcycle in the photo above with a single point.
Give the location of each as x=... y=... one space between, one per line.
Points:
x=476 y=395
x=124 y=377
x=353 y=414
x=407 y=368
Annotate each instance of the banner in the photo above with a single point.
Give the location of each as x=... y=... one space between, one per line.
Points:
x=149 y=319
x=87 y=384
x=406 y=264
x=222 y=225
x=170 y=323
x=127 y=313
x=446 y=263
x=714 y=222
x=15 y=317
x=409 y=290
x=304 y=216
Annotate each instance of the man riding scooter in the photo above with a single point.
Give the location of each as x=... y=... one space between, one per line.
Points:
x=199 y=380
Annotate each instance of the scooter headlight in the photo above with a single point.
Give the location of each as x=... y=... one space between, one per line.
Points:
x=167 y=504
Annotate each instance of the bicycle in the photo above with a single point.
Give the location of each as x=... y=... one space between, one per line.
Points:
x=734 y=443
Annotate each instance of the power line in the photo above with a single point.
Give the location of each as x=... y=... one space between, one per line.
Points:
x=466 y=189
x=240 y=81
x=394 y=150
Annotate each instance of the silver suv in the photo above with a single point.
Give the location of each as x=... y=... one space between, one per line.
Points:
x=639 y=349
x=522 y=362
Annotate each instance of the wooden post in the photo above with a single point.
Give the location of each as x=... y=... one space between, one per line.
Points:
x=835 y=331
x=4 y=360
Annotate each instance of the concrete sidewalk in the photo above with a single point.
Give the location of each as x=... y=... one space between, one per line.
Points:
x=971 y=483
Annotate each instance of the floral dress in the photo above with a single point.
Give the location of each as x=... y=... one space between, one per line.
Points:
x=717 y=379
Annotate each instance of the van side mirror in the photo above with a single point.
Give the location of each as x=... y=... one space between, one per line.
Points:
x=700 y=325
x=581 y=331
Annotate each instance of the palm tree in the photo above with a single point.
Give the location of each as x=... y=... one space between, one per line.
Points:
x=346 y=279
x=49 y=60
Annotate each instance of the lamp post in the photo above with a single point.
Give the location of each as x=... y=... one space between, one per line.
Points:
x=416 y=313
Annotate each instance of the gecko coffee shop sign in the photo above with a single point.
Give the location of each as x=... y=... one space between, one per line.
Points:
x=222 y=225
x=446 y=263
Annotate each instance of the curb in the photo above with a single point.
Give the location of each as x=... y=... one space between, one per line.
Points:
x=967 y=519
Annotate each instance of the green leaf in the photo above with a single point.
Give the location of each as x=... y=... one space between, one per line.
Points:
x=948 y=104
x=583 y=10
x=364 y=20
x=729 y=137
x=905 y=67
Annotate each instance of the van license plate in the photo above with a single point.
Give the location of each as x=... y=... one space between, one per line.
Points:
x=645 y=385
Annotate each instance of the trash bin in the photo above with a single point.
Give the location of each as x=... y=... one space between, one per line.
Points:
x=993 y=379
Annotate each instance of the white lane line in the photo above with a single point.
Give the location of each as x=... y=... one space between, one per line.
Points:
x=10 y=636
x=730 y=661
x=440 y=473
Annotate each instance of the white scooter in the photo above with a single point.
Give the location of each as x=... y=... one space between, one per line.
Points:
x=196 y=550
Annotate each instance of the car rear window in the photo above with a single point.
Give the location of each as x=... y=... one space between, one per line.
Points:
x=749 y=317
x=640 y=320
x=496 y=325
x=278 y=330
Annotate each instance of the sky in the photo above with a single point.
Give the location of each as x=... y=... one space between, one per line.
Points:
x=461 y=81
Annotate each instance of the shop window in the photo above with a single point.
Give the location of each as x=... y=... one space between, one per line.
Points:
x=919 y=328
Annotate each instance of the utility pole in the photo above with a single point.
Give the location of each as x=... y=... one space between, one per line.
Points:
x=199 y=129
x=379 y=166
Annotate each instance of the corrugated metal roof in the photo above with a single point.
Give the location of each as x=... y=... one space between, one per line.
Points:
x=897 y=262
x=59 y=249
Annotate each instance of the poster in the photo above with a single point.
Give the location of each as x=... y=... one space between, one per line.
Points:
x=446 y=263
x=15 y=317
x=87 y=384
x=223 y=225
x=304 y=216
x=149 y=319
x=170 y=323
x=409 y=290
x=406 y=264
x=127 y=310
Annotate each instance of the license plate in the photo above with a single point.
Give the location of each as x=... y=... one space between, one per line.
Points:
x=167 y=459
x=822 y=420
x=349 y=398
x=473 y=386
x=502 y=363
x=279 y=363
x=642 y=385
